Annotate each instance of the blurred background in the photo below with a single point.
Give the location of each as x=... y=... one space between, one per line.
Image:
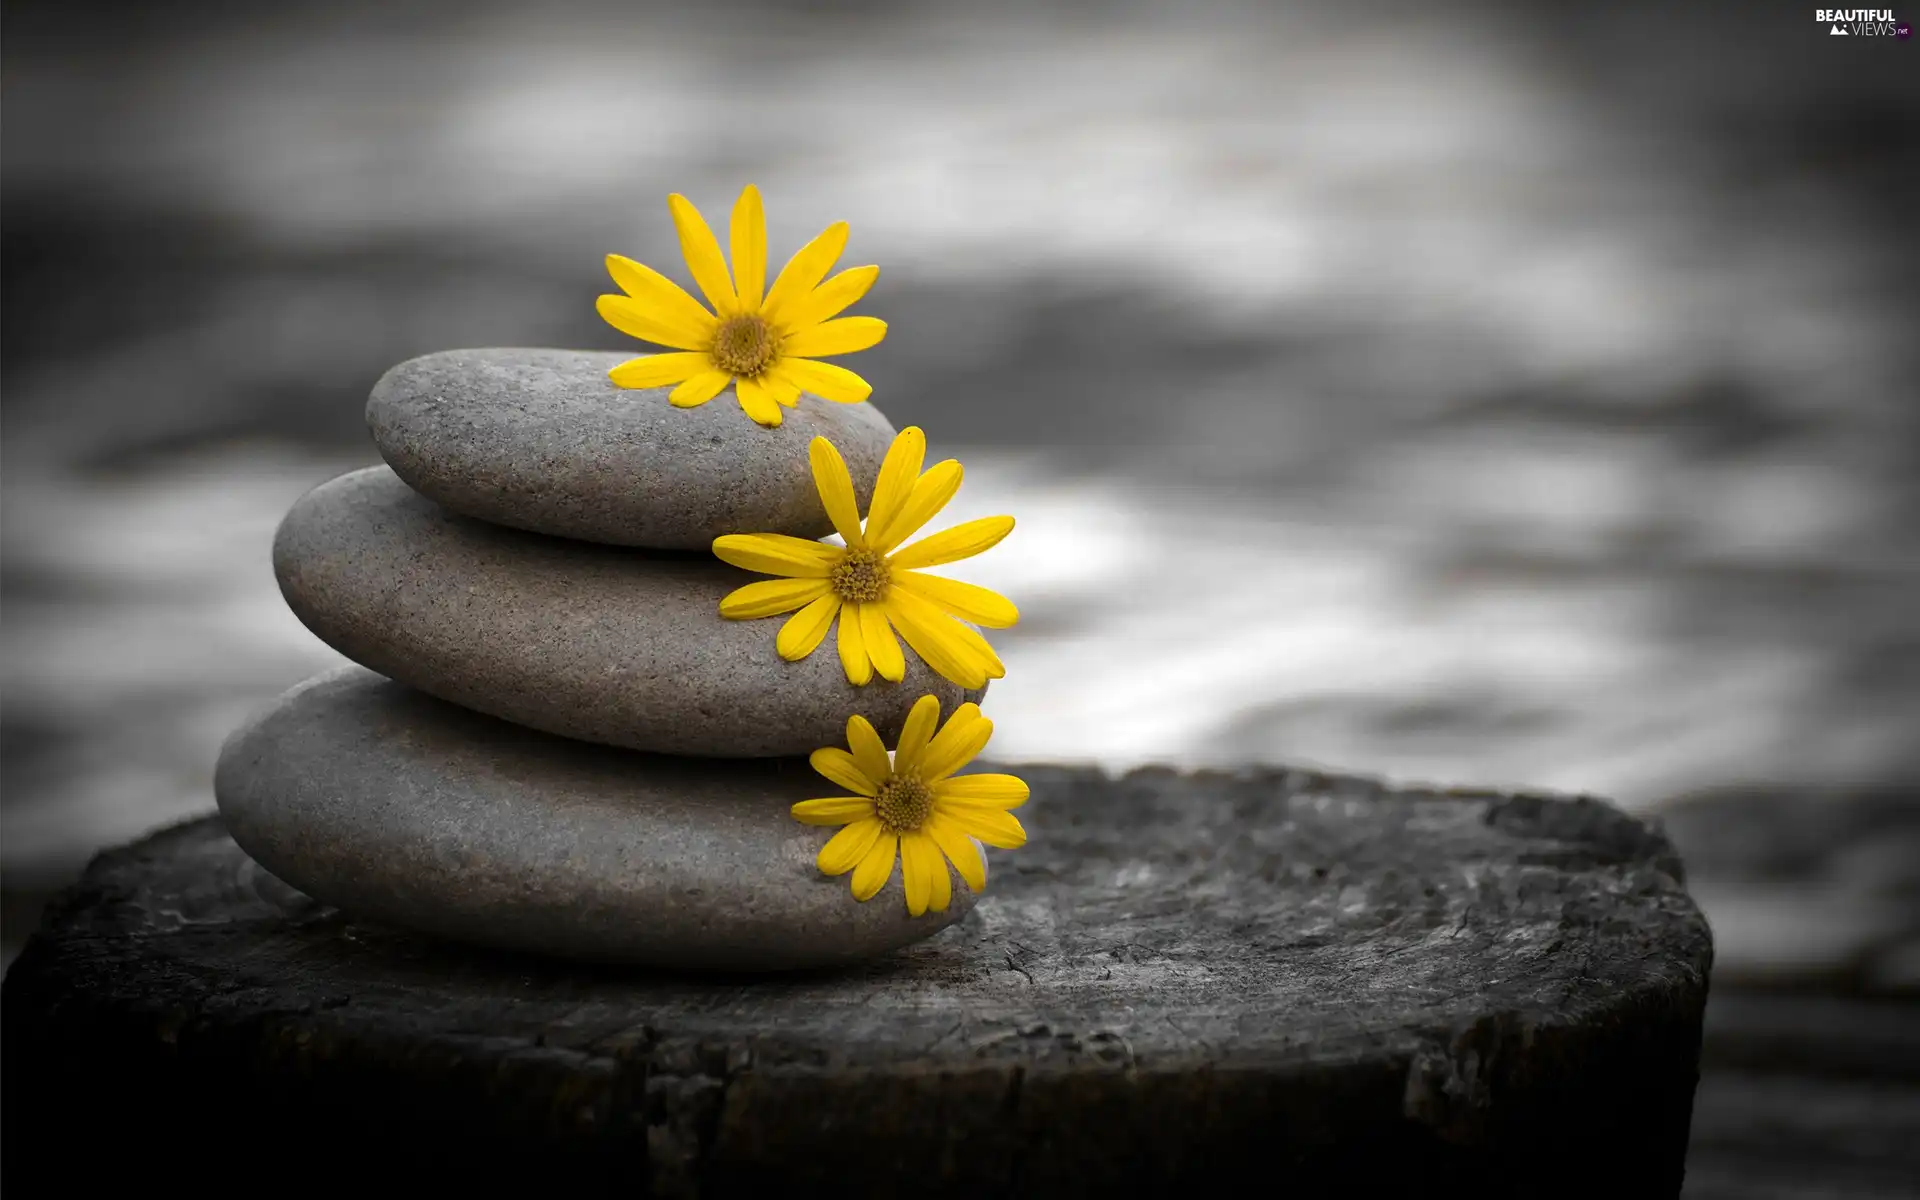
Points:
x=1496 y=394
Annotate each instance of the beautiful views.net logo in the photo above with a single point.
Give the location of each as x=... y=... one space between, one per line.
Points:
x=1862 y=22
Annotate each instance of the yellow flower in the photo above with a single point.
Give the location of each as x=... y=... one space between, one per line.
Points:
x=915 y=804
x=765 y=343
x=872 y=587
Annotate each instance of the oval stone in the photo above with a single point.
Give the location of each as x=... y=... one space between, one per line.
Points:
x=612 y=645
x=405 y=810
x=543 y=440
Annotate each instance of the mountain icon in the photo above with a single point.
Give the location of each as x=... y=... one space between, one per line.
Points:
x=1836 y=31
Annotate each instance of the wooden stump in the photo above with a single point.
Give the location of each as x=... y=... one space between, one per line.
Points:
x=1276 y=979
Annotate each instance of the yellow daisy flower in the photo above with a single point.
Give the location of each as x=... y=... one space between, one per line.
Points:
x=872 y=587
x=916 y=805
x=764 y=341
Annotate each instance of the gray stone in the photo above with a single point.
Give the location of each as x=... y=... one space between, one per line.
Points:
x=543 y=440
x=611 y=645
x=402 y=809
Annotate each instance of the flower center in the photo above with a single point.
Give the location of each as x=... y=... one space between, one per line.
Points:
x=743 y=345
x=861 y=577
x=904 y=804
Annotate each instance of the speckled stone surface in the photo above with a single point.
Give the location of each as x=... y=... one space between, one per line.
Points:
x=403 y=809
x=611 y=645
x=543 y=440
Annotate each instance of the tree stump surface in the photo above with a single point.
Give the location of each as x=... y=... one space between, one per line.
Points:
x=1307 y=983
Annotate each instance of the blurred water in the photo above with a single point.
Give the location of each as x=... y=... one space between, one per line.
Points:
x=1493 y=396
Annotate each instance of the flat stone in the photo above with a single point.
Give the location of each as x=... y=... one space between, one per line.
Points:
x=1341 y=988
x=405 y=810
x=543 y=440
x=611 y=645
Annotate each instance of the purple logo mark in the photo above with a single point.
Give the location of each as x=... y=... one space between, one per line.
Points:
x=1903 y=31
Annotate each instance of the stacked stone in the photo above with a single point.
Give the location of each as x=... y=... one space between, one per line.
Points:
x=535 y=557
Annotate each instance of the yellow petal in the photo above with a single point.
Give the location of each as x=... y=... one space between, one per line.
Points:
x=882 y=649
x=942 y=655
x=942 y=894
x=963 y=600
x=875 y=867
x=784 y=391
x=748 y=235
x=829 y=299
x=703 y=256
x=841 y=767
x=777 y=554
x=898 y=471
x=636 y=319
x=995 y=828
x=806 y=629
x=835 y=485
x=834 y=810
x=867 y=748
x=943 y=882
x=922 y=862
x=658 y=370
x=928 y=631
x=916 y=872
x=757 y=403
x=699 y=389
x=770 y=598
x=662 y=297
x=844 y=335
x=987 y=790
x=916 y=733
x=804 y=271
x=964 y=736
x=853 y=647
x=824 y=380
x=950 y=545
x=929 y=494
x=845 y=849
x=976 y=647
x=960 y=850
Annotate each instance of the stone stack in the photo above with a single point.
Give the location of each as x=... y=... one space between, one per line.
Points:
x=536 y=557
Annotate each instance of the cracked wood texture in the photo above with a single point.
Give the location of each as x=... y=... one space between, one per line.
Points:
x=1318 y=983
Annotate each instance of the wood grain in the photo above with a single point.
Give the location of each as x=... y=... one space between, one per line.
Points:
x=1281 y=976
